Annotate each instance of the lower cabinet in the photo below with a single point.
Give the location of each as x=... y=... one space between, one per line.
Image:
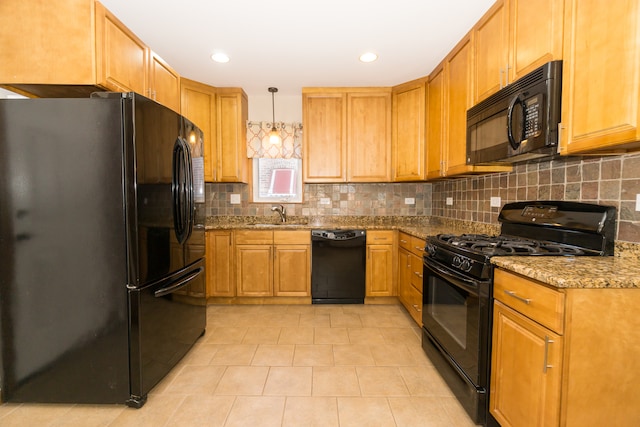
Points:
x=380 y=264
x=564 y=357
x=410 y=250
x=272 y=263
x=219 y=264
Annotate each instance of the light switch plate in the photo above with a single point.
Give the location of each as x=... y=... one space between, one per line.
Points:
x=325 y=201
x=637 y=202
x=235 y=199
x=495 y=202
x=449 y=201
x=409 y=201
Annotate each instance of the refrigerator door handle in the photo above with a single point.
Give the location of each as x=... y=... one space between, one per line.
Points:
x=182 y=282
x=178 y=190
x=191 y=206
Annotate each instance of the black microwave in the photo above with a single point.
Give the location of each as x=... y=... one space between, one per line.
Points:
x=519 y=122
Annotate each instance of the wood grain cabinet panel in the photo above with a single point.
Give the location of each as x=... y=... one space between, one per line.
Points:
x=408 y=131
x=600 y=89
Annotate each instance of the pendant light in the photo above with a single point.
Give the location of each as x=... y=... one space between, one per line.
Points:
x=274 y=135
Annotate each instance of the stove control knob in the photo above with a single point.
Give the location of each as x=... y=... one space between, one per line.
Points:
x=465 y=265
x=430 y=249
x=456 y=261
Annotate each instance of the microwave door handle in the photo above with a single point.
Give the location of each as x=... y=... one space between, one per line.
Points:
x=516 y=100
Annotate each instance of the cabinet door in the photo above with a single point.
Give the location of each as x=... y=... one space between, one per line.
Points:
x=491 y=55
x=408 y=139
x=404 y=277
x=232 y=110
x=198 y=104
x=219 y=266
x=369 y=137
x=535 y=35
x=458 y=91
x=526 y=371
x=436 y=122
x=600 y=88
x=324 y=137
x=254 y=270
x=164 y=83
x=121 y=57
x=292 y=270
x=379 y=271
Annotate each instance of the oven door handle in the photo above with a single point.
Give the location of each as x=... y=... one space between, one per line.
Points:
x=469 y=285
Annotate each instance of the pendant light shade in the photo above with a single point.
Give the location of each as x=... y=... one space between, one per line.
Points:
x=274 y=135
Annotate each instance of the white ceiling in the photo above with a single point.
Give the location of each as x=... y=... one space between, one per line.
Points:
x=290 y=44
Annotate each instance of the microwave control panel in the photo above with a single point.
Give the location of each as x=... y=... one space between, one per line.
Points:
x=532 y=114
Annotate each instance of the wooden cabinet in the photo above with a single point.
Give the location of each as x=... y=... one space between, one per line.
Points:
x=292 y=263
x=449 y=96
x=75 y=47
x=600 y=90
x=380 y=278
x=408 y=131
x=273 y=263
x=198 y=104
x=232 y=109
x=563 y=357
x=164 y=83
x=347 y=134
x=512 y=39
x=410 y=250
x=219 y=256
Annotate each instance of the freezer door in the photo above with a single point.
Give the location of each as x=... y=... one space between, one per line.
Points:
x=165 y=322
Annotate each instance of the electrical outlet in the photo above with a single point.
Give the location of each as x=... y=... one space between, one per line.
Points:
x=235 y=199
x=409 y=201
x=495 y=202
x=449 y=201
x=637 y=202
x=325 y=201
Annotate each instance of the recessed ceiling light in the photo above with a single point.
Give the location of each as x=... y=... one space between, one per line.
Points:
x=220 y=57
x=368 y=57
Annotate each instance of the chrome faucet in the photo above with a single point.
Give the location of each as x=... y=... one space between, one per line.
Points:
x=282 y=211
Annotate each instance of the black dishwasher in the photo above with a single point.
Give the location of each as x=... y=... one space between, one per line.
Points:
x=338 y=263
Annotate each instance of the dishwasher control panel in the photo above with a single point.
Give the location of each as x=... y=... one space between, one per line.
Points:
x=338 y=234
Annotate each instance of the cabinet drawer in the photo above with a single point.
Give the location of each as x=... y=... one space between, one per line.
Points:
x=292 y=237
x=377 y=237
x=404 y=241
x=253 y=237
x=417 y=246
x=536 y=301
x=416 y=272
x=413 y=303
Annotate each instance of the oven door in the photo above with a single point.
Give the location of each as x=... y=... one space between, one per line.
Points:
x=456 y=314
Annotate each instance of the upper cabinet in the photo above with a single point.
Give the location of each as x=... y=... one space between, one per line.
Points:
x=450 y=95
x=347 y=134
x=408 y=131
x=232 y=109
x=198 y=104
x=513 y=38
x=164 y=83
x=600 y=90
x=75 y=47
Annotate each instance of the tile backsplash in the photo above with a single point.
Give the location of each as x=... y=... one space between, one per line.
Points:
x=611 y=180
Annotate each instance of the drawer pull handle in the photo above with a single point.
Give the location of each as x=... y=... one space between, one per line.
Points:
x=415 y=306
x=546 y=365
x=519 y=298
x=419 y=248
x=403 y=241
x=417 y=273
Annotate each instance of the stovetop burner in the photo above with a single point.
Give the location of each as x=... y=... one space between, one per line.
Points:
x=507 y=245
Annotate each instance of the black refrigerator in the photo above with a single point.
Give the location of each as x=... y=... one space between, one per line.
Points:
x=102 y=281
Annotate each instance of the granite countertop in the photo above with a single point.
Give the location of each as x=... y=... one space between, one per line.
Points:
x=586 y=272
x=420 y=227
x=619 y=271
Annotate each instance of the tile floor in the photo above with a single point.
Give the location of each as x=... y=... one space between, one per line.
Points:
x=276 y=365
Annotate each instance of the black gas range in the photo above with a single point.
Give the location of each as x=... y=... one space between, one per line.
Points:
x=457 y=283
